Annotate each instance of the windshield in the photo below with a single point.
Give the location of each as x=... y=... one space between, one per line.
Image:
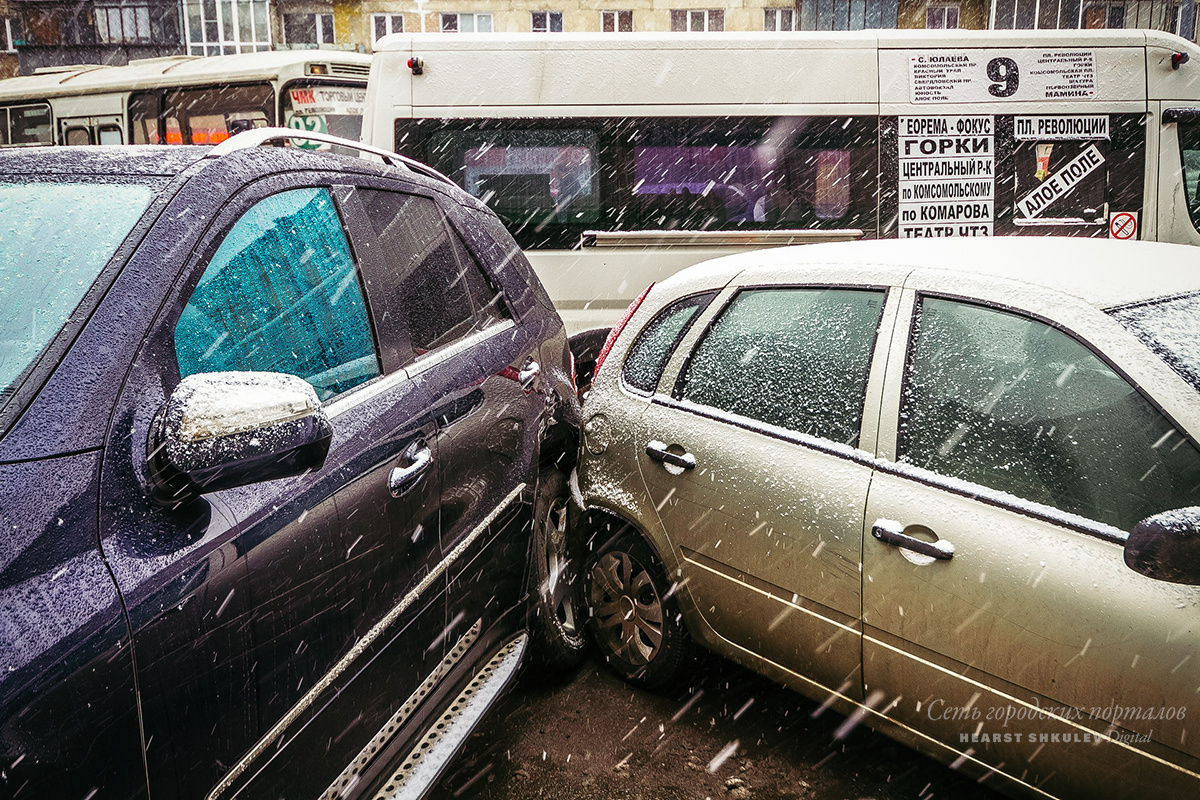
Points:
x=55 y=238
x=1171 y=328
x=336 y=109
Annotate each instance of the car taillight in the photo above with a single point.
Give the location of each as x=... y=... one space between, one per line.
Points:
x=616 y=330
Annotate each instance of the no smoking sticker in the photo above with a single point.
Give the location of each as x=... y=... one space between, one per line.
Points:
x=1123 y=225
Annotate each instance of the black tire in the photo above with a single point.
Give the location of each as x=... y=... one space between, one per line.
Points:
x=634 y=618
x=558 y=610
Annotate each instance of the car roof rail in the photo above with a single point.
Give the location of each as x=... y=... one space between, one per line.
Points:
x=256 y=137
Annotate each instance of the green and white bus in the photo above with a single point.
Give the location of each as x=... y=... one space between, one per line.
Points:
x=186 y=99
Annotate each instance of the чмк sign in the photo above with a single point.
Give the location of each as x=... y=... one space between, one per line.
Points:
x=947 y=184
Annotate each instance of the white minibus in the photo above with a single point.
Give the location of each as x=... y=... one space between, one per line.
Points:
x=616 y=159
x=186 y=99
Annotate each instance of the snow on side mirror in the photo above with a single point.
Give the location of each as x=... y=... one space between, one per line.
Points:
x=219 y=430
x=1166 y=547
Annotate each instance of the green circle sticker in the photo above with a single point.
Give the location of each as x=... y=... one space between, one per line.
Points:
x=314 y=123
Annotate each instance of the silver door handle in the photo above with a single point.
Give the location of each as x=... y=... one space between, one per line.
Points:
x=658 y=451
x=529 y=374
x=401 y=479
x=891 y=532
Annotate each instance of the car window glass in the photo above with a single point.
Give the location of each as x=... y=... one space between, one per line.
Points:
x=56 y=239
x=1016 y=405
x=654 y=344
x=796 y=358
x=433 y=292
x=1168 y=327
x=281 y=294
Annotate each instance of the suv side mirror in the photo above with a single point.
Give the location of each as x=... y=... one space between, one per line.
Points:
x=219 y=430
x=1166 y=547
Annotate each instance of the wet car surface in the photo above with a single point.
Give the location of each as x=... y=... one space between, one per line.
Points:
x=947 y=488
x=272 y=436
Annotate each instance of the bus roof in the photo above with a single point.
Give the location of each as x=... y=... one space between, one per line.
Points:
x=179 y=70
x=866 y=39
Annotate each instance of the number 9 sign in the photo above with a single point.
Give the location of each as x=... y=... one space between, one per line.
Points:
x=1004 y=71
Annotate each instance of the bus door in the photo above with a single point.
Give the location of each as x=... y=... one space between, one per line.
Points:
x=90 y=130
x=1179 y=172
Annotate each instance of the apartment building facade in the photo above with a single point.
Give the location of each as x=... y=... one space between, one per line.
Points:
x=42 y=33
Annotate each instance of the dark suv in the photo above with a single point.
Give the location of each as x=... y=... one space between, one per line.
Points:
x=282 y=445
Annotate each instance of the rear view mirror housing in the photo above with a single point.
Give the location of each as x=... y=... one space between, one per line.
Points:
x=1166 y=547
x=221 y=430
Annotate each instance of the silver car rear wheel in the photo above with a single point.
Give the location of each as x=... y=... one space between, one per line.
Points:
x=635 y=620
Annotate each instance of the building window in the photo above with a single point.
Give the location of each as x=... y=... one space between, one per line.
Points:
x=616 y=21
x=939 y=16
x=467 y=22
x=779 y=19
x=216 y=27
x=8 y=41
x=546 y=21
x=712 y=19
x=383 y=24
x=1104 y=15
x=310 y=29
x=124 y=23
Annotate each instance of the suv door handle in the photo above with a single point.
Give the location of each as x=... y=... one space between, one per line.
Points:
x=659 y=452
x=891 y=532
x=401 y=479
x=529 y=373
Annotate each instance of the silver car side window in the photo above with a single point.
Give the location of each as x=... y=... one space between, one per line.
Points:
x=795 y=358
x=1017 y=405
x=655 y=343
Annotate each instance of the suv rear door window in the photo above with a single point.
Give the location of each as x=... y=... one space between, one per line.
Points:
x=429 y=290
x=795 y=358
x=282 y=294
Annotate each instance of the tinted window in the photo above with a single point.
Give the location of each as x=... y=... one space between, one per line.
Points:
x=1189 y=153
x=552 y=180
x=649 y=353
x=432 y=291
x=1016 y=405
x=796 y=358
x=281 y=294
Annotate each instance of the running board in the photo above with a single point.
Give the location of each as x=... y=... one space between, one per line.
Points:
x=426 y=761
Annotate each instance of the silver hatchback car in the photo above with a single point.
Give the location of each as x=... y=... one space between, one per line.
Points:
x=948 y=488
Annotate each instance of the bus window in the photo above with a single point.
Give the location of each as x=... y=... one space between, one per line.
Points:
x=1189 y=152
x=110 y=134
x=550 y=180
x=529 y=177
x=3 y=126
x=77 y=136
x=30 y=125
x=210 y=116
x=324 y=108
x=1036 y=161
x=144 y=111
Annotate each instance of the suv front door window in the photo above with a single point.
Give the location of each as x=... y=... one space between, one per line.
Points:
x=281 y=294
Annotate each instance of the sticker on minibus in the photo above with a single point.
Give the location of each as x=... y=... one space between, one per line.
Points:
x=989 y=76
x=947 y=176
x=312 y=101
